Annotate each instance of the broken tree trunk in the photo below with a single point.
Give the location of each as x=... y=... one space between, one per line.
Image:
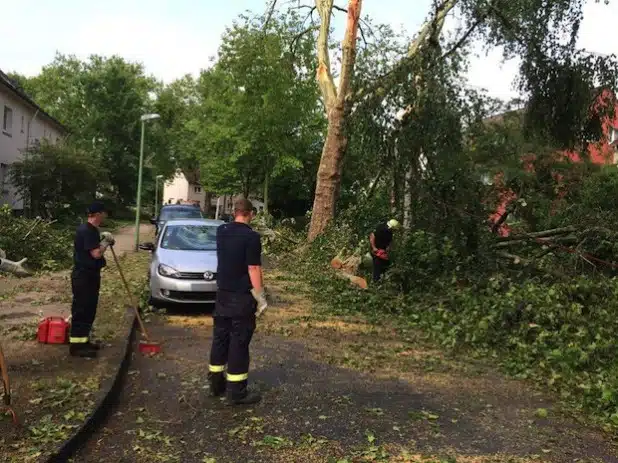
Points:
x=329 y=173
x=336 y=102
x=347 y=268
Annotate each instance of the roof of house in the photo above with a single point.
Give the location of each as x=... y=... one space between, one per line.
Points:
x=13 y=87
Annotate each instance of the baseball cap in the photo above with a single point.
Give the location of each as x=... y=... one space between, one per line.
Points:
x=96 y=208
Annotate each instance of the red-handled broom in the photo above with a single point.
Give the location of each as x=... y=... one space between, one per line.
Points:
x=146 y=346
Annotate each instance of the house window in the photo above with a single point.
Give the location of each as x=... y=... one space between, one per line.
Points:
x=197 y=189
x=7 y=120
x=23 y=123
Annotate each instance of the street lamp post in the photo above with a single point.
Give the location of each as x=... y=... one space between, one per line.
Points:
x=157 y=178
x=138 y=200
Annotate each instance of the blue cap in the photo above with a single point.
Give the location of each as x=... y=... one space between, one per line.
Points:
x=96 y=207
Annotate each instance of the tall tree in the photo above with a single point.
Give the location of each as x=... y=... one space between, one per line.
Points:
x=101 y=101
x=257 y=110
x=278 y=100
x=337 y=104
x=543 y=34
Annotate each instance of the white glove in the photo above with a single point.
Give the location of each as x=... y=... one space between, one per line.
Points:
x=107 y=239
x=14 y=267
x=262 y=304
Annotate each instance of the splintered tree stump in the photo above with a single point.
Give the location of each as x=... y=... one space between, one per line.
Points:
x=336 y=263
x=347 y=269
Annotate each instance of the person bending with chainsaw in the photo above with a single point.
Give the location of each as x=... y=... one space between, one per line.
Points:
x=88 y=260
x=240 y=298
x=380 y=241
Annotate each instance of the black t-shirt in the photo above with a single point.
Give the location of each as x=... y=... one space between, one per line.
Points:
x=87 y=238
x=383 y=236
x=238 y=246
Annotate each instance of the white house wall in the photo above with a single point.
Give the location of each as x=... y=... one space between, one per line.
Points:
x=175 y=189
x=14 y=140
x=226 y=203
x=196 y=193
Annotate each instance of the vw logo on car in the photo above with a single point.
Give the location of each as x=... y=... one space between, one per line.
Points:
x=208 y=276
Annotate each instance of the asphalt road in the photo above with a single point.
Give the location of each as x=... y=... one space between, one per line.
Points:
x=312 y=411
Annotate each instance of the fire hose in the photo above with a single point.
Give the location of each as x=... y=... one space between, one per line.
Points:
x=7 y=409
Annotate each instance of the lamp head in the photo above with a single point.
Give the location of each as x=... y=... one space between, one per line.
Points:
x=148 y=117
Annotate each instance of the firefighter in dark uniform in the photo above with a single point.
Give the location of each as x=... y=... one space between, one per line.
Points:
x=380 y=241
x=240 y=298
x=88 y=260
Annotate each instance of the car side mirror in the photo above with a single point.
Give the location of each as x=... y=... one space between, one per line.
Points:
x=147 y=247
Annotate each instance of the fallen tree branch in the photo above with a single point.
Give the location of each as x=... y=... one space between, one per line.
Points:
x=541 y=234
x=357 y=281
x=548 y=240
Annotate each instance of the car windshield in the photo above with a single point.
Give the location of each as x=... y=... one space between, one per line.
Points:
x=180 y=213
x=190 y=238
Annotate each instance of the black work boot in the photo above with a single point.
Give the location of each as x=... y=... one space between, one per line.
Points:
x=239 y=394
x=217 y=384
x=94 y=344
x=82 y=350
x=249 y=398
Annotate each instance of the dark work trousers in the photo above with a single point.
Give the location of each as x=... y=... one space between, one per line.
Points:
x=234 y=324
x=380 y=266
x=85 y=285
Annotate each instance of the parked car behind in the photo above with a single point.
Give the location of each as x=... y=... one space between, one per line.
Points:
x=183 y=269
x=175 y=211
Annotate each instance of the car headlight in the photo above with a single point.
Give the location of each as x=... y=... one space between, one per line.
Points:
x=167 y=271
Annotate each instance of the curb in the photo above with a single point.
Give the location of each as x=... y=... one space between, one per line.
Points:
x=101 y=409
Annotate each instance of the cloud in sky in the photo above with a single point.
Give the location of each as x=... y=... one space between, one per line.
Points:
x=176 y=37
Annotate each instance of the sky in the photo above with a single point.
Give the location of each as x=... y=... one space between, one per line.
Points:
x=177 y=37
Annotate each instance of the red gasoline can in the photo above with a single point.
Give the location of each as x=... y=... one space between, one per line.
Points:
x=53 y=330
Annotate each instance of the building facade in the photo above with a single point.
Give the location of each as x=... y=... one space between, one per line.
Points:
x=181 y=190
x=23 y=124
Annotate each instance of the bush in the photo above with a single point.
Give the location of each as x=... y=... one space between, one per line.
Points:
x=561 y=335
x=46 y=247
x=59 y=180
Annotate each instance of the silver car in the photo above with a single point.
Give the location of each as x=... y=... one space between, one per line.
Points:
x=184 y=263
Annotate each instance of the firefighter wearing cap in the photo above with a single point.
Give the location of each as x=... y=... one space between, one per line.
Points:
x=380 y=241
x=240 y=298
x=88 y=260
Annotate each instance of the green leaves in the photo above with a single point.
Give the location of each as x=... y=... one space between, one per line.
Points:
x=48 y=247
x=60 y=179
x=248 y=124
x=101 y=101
